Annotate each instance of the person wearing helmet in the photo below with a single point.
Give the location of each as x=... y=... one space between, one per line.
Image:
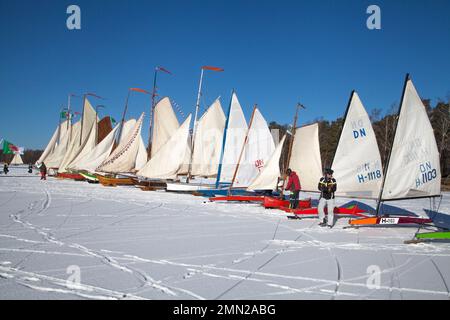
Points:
x=327 y=187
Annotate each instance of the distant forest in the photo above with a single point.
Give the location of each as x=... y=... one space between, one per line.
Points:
x=329 y=131
x=384 y=127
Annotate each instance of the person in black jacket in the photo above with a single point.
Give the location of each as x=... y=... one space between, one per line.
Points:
x=5 y=168
x=43 y=170
x=327 y=187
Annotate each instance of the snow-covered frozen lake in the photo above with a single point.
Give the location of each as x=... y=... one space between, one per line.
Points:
x=124 y=243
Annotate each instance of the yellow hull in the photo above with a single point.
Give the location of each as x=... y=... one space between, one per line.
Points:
x=112 y=182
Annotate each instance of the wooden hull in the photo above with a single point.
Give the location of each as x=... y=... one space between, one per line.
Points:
x=112 y=182
x=73 y=176
x=149 y=185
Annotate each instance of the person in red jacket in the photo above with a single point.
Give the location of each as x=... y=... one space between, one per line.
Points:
x=294 y=187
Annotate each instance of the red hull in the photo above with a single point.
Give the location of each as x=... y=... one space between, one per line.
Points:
x=276 y=203
x=238 y=198
x=354 y=211
x=74 y=176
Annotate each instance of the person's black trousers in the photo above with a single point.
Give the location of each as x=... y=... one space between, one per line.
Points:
x=293 y=199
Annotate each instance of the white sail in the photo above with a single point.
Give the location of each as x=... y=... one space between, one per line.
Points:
x=89 y=118
x=357 y=162
x=55 y=158
x=414 y=167
x=184 y=168
x=235 y=135
x=87 y=148
x=101 y=151
x=142 y=155
x=268 y=177
x=305 y=156
x=52 y=144
x=85 y=138
x=257 y=151
x=208 y=141
x=165 y=123
x=167 y=162
x=123 y=158
x=16 y=160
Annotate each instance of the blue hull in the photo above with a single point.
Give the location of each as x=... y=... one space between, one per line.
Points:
x=234 y=192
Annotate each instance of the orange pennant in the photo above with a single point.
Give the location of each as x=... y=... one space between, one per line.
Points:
x=212 y=68
x=139 y=90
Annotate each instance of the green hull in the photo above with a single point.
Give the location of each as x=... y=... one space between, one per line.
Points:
x=89 y=176
x=434 y=235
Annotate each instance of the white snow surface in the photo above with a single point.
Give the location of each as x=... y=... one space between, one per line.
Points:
x=131 y=244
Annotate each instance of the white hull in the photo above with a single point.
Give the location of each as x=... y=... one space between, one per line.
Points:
x=186 y=187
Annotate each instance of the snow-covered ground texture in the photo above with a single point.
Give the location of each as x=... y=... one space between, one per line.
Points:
x=124 y=243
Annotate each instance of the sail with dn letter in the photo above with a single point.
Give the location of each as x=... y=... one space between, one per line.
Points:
x=357 y=162
x=414 y=169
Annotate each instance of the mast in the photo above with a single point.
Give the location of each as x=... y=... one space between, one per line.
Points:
x=82 y=118
x=243 y=148
x=59 y=125
x=291 y=143
x=69 y=118
x=386 y=166
x=96 y=117
x=224 y=140
x=68 y=110
x=152 y=110
x=123 y=116
x=197 y=106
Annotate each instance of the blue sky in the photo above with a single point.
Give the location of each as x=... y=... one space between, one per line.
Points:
x=274 y=53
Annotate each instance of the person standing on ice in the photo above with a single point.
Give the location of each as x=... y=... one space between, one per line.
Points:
x=43 y=170
x=294 y=187
x=327 y=187
x=5 y=168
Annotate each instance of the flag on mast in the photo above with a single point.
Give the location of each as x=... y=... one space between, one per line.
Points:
x=139 y=90
x=163 y=69
x=9 y=148
x=212 y=68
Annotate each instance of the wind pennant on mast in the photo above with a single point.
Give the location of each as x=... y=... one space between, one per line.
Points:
x=163 y=69
x=197 y=106
x=139 y=90
x=217 y=69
